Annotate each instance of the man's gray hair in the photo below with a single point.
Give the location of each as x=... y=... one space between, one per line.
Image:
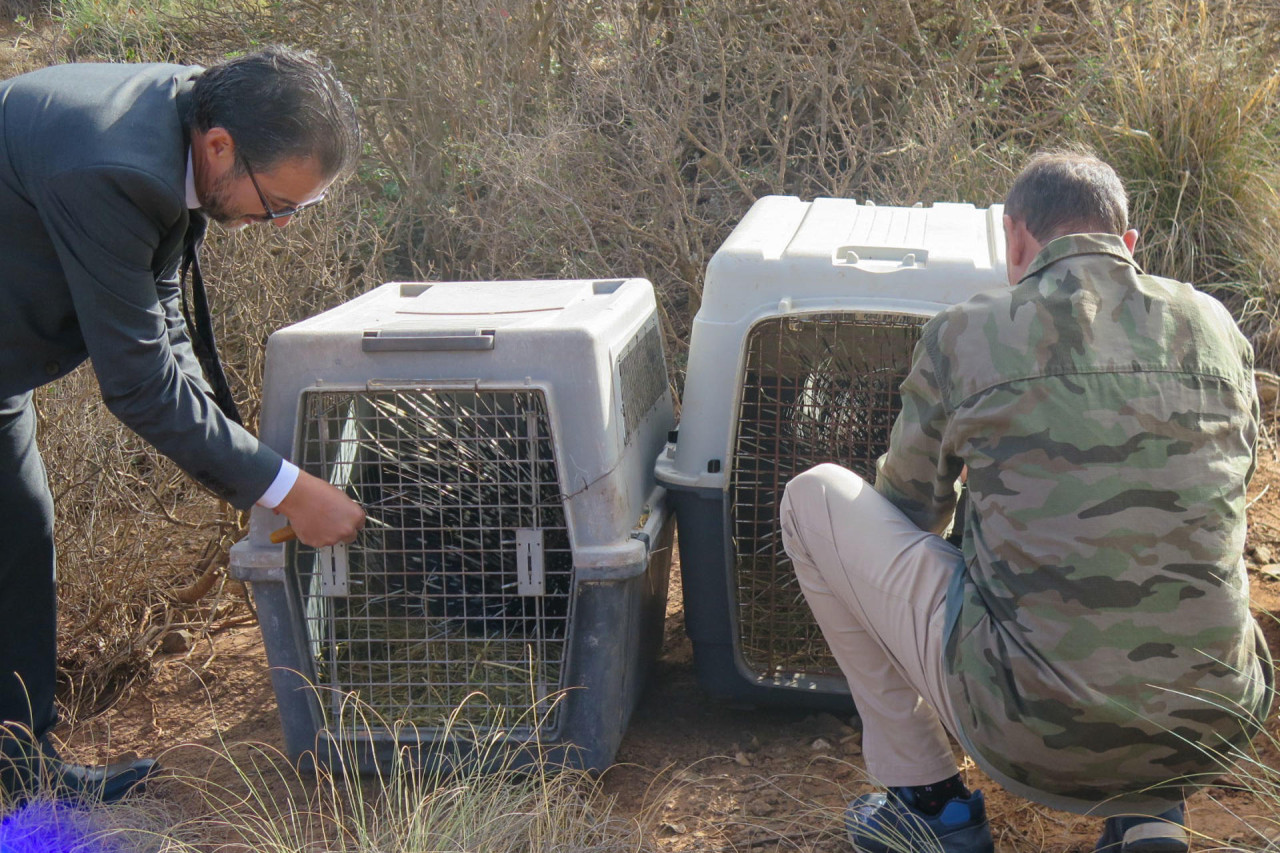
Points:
x=280 y=104
x=1068 y=192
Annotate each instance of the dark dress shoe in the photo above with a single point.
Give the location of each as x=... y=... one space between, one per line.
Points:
x=106 y=783
x=31 y=768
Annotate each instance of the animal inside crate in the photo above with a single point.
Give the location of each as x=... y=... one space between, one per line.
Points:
x=500 y=437
x=462 y=491
x=810 y=315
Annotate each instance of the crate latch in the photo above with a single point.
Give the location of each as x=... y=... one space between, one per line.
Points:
x=331 y=565
x=530 y=578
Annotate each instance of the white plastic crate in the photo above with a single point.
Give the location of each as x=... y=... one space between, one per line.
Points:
x=501 y=437
x=810 y=313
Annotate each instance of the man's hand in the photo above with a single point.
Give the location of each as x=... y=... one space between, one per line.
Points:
x=319 y=513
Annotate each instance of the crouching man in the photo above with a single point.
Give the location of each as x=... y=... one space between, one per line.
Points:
x=1091 y=646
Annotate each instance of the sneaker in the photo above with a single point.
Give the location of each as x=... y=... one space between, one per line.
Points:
x=890 y=823
x=1164 y=833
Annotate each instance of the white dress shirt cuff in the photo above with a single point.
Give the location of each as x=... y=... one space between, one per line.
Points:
x=285 y=478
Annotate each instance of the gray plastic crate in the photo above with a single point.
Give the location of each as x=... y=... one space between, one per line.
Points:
x=810 y=313
x=501 y=437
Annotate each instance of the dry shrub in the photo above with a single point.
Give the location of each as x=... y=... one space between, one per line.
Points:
x=123 y=517
x=11 y=9
x=525 y=139
x=1189 y=113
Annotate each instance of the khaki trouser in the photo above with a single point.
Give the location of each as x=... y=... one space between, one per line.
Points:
x=877 y=585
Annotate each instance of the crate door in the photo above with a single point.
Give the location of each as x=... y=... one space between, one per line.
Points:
x=815 y=388
x=462 y=579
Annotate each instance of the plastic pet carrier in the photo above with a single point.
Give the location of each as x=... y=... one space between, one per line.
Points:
x=810 y=313
x=501 y=438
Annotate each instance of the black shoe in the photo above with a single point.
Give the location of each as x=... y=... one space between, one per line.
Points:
x=32 y=769
x=105 y=783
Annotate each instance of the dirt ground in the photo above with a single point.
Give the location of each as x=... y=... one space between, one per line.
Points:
x=703 y=776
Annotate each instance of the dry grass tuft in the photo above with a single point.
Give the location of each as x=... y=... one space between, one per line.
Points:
x=1188 y=112
x=268 y=806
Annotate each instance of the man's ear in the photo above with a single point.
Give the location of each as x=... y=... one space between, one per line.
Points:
x=218 y=145
x=1130 y=239
x=1020 y=248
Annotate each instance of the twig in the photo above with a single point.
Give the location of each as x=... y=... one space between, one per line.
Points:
x=721 y=160
x=70 y=487
x=209 y=572
x=769 y=838
x=164 y=510
x=234 y=622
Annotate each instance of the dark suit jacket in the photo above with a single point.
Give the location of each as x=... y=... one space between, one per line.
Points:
x=93 y=162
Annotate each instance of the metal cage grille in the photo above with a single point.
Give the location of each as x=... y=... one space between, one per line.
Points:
x=462 y=578
x=816 y=388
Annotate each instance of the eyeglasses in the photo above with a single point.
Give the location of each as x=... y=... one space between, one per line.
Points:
x=269 y=212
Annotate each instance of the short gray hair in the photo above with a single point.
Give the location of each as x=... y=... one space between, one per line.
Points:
x=1068 y=192
x=279 y=104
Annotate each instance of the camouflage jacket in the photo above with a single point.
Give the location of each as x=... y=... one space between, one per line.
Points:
x=1101 y=646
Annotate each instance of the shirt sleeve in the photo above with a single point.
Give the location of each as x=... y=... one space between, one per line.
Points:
x=106 y=224
x=280 y=487
x=916 y=475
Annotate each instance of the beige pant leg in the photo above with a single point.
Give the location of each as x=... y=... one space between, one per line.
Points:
x=877 y=585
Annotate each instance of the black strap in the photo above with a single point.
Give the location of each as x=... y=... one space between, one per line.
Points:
x=200 y=326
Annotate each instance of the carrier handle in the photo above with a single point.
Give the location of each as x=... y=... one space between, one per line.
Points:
x=392 y=340
x=284 y=534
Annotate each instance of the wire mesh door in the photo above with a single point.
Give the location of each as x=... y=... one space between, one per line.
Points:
x=816 y=388
x=461 y=581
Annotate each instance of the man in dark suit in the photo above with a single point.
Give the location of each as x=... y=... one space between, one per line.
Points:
x=107 y=172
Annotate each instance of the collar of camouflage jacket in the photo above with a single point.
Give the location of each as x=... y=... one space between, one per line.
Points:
x=1080 y=244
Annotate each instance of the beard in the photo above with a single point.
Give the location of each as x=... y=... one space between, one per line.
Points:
x=216 y=203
